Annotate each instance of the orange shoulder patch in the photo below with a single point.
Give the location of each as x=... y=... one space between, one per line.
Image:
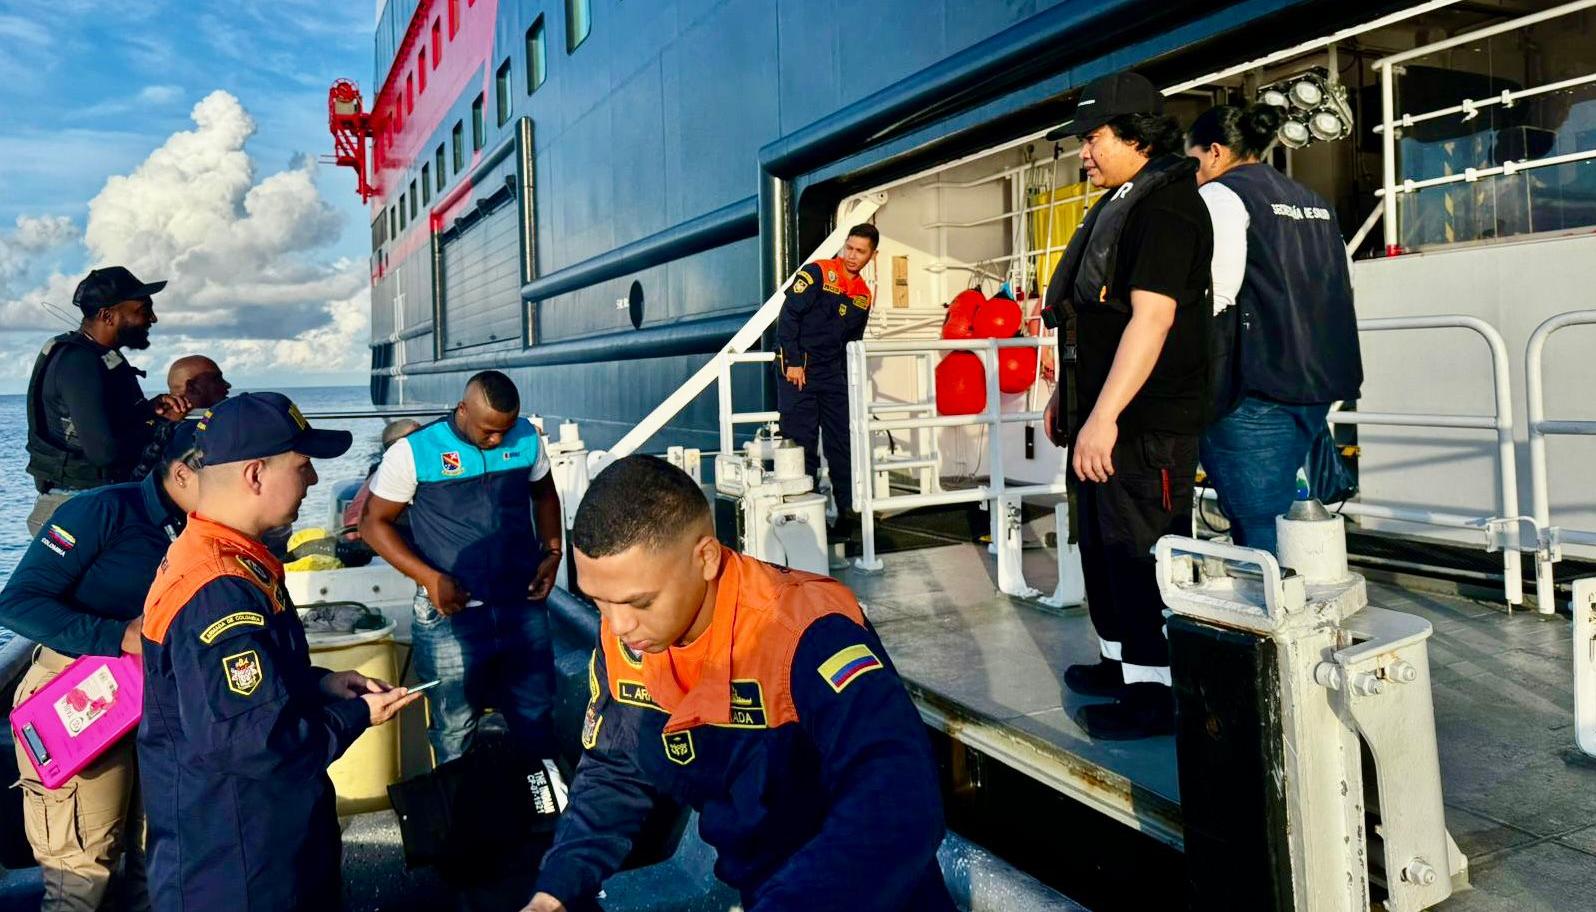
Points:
x=191 y=563
x=776 y=606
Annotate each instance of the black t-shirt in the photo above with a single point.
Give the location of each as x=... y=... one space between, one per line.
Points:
x=1166 y=247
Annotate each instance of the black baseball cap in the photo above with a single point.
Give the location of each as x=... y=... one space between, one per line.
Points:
x=258 y=425
x=109 y=287
x=1108 y=97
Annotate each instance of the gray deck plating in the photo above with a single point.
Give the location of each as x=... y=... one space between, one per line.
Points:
x=1521 y=801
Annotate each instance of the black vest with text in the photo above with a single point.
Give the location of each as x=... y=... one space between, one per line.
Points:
x=1295 y=335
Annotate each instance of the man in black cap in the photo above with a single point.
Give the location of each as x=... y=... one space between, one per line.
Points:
x=1132 y=290
x=238 y=726
x=88 y=420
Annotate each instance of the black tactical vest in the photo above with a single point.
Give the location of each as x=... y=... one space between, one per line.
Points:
x=55 y=456
x=1085 y=273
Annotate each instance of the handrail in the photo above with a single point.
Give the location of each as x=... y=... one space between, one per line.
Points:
x=743 y=340
x=996 y=494
x=1500 y=529
x=1549 y=550
x=1389 y=66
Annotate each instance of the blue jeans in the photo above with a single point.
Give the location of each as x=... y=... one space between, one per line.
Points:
x=1252 y=456
x=494 y=656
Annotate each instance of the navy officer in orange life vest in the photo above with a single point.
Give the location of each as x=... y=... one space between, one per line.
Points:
x=759 y=696
x=238 y=727
x=827 y=306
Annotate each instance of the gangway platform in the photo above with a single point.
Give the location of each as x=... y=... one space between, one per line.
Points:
x=986 y=671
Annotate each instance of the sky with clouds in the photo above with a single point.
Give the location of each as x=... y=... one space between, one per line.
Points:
x=180 y=139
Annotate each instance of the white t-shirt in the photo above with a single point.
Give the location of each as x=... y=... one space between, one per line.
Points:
x=1229 y=215
x=395 y=479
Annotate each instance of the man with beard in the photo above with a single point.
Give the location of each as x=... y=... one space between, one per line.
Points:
x=88 y=420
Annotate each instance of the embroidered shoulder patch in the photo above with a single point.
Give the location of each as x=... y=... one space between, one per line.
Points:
x=243 y=672
x=256 y=569
x=58 y=540
x=632 y=657
x=847 y=665
x=592 y=721
x=232 y=622
x=800 y=284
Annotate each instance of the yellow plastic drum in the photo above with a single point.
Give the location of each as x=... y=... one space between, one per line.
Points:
x=362 y=775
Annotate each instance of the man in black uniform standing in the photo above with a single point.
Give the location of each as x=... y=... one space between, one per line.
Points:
x=1133 y=290
x=88 y=420
x=827 y=306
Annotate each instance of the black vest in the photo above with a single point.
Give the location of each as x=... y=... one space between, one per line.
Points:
x=55 y=457
x=1294 y=335
x=1085 y=273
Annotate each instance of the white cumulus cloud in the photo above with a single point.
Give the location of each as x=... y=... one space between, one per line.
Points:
x=244 y=255
x=33 y=235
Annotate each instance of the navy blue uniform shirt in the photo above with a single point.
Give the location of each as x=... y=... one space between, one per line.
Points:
x=797 y=744
x=87 y=573
x=236 y=736
x=826 y=308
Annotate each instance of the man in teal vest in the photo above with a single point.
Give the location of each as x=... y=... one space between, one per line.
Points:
x=473 y=483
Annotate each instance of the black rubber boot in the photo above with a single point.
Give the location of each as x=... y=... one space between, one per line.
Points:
x=1105 y=679
x=1146 y=710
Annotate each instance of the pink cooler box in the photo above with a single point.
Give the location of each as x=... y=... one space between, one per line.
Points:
x=73 y=719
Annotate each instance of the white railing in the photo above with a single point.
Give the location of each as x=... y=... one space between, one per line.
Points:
x=1550 y=538
x=1001 y=500
x=1391 y=67
x=729 y=419
x=1500 y=531
x=741 y=342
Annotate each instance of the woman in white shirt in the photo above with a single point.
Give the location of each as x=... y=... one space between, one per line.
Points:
x=1285 y=334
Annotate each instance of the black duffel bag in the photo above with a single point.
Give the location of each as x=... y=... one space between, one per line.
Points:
x=480 y=807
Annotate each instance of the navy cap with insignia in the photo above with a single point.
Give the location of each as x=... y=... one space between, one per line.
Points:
x=1108 y=97
x=258 y=425
x=109 y=287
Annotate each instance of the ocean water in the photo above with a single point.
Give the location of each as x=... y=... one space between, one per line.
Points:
x=16 y=485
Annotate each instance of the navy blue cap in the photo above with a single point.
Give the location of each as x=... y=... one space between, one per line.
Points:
x=258 y=425
x=181 y=441
x=109 y=287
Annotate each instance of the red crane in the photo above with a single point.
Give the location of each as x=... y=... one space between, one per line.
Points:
x=351 y=128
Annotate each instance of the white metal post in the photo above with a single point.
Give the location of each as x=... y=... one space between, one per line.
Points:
x=1585 y=665
x=1548 y=551
x=725 y=397
x=859 y=428
x=1393 y=242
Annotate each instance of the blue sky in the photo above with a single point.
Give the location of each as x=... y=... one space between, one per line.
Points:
x=180 y=138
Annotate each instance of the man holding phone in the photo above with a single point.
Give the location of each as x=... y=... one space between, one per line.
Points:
x=474 y=482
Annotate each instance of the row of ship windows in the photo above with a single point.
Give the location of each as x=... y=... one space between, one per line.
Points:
x=434 y=176
x=578 y=24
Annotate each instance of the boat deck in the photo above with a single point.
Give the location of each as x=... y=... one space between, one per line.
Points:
x=1521 y=800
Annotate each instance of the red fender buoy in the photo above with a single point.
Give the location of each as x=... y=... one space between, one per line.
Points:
x=960 y=322
x=1016 y=369
x=998 y=318
x=961 y=384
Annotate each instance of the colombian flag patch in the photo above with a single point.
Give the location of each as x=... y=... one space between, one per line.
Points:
x=848 y=664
